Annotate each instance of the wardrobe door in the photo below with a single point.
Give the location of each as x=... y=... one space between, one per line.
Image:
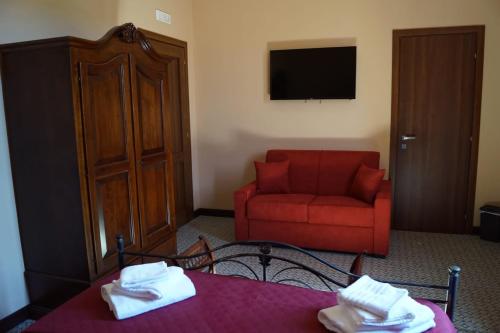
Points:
x=108 y=132
x=181 y=139
x=153 y=150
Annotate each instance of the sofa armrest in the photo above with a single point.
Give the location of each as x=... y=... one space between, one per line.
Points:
x=382 y=223
x=241 y=196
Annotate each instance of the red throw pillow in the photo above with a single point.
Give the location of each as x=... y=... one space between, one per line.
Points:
x=366 y=183
x=272 y=177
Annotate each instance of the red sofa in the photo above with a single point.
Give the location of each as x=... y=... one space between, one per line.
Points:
x=317 y=213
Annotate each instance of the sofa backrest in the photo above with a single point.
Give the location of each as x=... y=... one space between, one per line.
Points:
x=323 y=172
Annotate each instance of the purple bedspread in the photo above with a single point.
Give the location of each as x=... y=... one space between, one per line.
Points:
x=222 y=304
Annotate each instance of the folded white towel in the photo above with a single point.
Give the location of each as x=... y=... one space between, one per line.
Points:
x=422 y=316
x=126 y=307
x=139 y=275
x=416 y=328
x=345 y=319
x=372 y=296
x=340 y=319
x=152 y=290
x=404 y=311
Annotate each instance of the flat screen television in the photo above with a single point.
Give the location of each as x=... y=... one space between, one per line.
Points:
x=319 y=73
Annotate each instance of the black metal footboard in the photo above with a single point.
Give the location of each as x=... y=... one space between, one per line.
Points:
x=264 y=257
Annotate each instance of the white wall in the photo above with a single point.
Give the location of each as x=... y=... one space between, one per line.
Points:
x=12 y=288
x=237 y=122
x=22 y=20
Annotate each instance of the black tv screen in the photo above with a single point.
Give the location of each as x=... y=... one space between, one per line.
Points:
x=320 y=73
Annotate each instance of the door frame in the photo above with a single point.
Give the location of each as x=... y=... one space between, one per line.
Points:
x=478 y=30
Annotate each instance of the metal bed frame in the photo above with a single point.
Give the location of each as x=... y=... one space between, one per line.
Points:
x=265 y=257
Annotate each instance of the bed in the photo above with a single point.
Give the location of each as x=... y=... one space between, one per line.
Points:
x=231 y=303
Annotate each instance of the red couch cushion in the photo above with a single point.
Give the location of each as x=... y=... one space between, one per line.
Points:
x=279 y=207
x=303 y=171
x=338 y=168
x=272 y=177
x=340 y=211
x=366 y=183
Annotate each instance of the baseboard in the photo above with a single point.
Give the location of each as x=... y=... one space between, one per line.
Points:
x=15 y=319
x=214 y=212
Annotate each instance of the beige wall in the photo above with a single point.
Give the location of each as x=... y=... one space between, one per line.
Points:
x=237 y=122
x=34 y=19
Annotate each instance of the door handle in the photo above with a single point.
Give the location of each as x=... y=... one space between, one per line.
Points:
x=408 y=137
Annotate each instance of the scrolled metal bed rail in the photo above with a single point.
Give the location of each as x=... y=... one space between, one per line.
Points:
x=265 y=257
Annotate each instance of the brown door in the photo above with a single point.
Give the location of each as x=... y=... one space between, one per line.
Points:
x=152 y=123
x=435 y=121
x=107 y=118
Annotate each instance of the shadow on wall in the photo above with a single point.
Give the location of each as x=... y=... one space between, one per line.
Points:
x=227 y=167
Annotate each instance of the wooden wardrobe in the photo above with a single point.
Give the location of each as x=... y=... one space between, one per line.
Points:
x=99 y=144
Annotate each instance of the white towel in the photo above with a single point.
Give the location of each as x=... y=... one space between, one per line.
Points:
x=139 y=275
x=347 y=319
x=151 y=290
x=340 y=319
x=372 y=296
x=422 y=327
x=422 y=315
x=404 y=311
x=417 y=328
x=125 y=307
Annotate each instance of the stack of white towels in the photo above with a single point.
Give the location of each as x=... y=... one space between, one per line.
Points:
x=142 y=288
x=371 y=306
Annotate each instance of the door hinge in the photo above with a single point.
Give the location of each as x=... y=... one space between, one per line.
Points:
x=475 y=55
x=465 y=217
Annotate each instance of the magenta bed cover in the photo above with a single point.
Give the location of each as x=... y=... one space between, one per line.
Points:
x=222 y=304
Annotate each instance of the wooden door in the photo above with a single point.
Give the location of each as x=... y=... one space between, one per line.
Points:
x=176 y=50
x=109 y=144
x=152 y=128
x=435 y=127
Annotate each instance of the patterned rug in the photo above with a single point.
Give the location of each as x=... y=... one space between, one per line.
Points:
x=414 y=256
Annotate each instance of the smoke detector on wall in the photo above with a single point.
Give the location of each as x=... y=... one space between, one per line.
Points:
x=163 y=17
